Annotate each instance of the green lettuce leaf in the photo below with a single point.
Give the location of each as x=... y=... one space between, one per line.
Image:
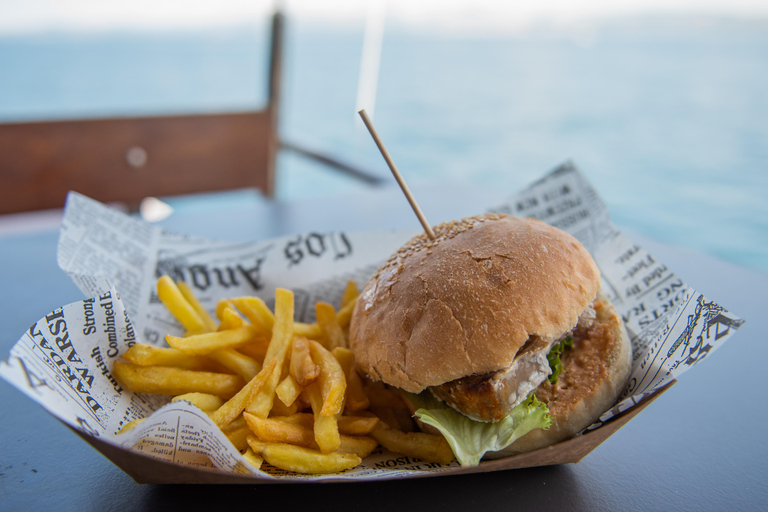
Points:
x=470 y=439
x=554 y=359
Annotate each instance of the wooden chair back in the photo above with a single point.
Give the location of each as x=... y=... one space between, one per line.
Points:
x=127 y=159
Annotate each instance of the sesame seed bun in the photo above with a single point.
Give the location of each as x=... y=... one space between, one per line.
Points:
x=465 y=303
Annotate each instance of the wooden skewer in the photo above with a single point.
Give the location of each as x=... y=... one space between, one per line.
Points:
x=396 y=174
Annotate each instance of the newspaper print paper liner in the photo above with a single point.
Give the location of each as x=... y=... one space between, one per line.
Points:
x=63 y=361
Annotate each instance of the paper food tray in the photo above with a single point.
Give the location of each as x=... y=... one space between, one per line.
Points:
x=64 y=361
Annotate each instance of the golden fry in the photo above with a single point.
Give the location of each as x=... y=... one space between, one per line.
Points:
x=189 y=295
x=332 y=382
x=282 y=334
x=300 y=418
x=348 y=301
x=357 y=425
x=170 y=295
x=256 y=348
x=311 y=331
x=262 y=401
x=349 y=425
x=307 y=366
x=276 y=431
x=280 y=409
x=302 y=368
x=355 y=398
x=237 y=437
x=303 y=460
x=333 y=336
x=143 y=354
x=350 y=293
x=235 y=406
x=288 y=390
x=414 y=444
x=282 y=329
x=362 y=446
x=344 y=316
x=253 y=459
x=235 y=424
x=203 y=344
x=129 y=426
x=238 y=363
x=174 y=381
x=229 y=317
x=256 y=311
x=202 y=401
x=326 y=427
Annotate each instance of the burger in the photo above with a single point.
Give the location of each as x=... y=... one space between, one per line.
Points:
x=497 y=334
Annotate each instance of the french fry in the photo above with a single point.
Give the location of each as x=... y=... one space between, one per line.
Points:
x=349 y=425
x=238 y=363
x=282 y=329
x=235 y=406
x=357 y=425
x=170 y=295
x=275 y=430
x=344 y=316
x=326 y=418
x=303 y=460
x=280 y=409
x=332 y=382
x=326 y=427
x=302 y=368
x=311 y=331
x=256 y=311
x=351 y=292
x=362 y=446
x=143 y=354
x=414 y=444
x=221 y=306
x=193 y=301
x=333 y=336
x=235 y=424
x=355 y=398
x=203 y=344
x=256 y=348
x=237 y=437
x=282 y=334
x=202 y=401
x=229 y=318
x=129 y=426
x=236 y=432
x=174 y=381
x=300 y=418
x=288 y=390
x=253 y=459
x=263 y=400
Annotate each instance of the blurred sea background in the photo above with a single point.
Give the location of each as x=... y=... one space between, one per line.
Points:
x=666 y=113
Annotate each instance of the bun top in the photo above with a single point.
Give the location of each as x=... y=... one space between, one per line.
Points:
x=466 y=302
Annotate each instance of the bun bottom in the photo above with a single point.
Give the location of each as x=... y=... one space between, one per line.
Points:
x=595 y=372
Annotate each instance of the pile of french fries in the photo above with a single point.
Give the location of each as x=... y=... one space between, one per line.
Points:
x=283 y=392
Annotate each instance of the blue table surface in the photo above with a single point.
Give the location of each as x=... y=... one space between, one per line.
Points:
x=698 y=447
